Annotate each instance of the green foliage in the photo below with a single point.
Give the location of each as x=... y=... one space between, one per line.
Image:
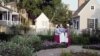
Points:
x=19 y=29
x=29 y=41
x=65 y=53
x=15 y=30
x=20 y=45
x=13 y=49
x=25 y=28
x=54 y=9
x=62 y=14
x=5 y=37
x=78 y=54
x=79 y=39
x=46 y=37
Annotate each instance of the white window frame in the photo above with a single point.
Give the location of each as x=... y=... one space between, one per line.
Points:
x=94 y=23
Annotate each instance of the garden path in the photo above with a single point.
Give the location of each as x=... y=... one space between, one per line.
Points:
x=57 y=51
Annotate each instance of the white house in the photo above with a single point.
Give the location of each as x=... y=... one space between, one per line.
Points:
x=8 y=17
x=86 y=16
x=42 y=23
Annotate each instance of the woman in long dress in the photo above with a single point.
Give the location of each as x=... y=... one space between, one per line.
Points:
x=69 y=37
x=56 y=35
x=62 y=34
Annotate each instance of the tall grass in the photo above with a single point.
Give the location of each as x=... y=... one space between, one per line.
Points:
x=20 y=46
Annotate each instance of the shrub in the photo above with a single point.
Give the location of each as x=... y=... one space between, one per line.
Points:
x=51 y=45
x=15 y=30
x=96 y=47
x=19 y=29
x=49 y=36
x=13 y=49
x=46 y=37
x=79 y=39
x=94 y=40
x=93 y=35
x=86 y=33
x=5 y=37
x=30 y=41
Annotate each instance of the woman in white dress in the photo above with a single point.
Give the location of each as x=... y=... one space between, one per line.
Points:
x=57 y=33
x=63 y=35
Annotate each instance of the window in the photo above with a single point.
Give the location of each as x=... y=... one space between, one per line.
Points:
x=5 y=15
x=15 y=18
x=8 y=15
x=92 y=23
x=92 y=7
x=76 y=24
x=0 y=16
x=96 y=23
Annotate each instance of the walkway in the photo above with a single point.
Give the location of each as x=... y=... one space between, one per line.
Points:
x=56 y=52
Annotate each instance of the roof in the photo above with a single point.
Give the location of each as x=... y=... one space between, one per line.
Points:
x=12 y=4
x=80 y=8
x=42 y=17
x=6 y=7
x=15 y=13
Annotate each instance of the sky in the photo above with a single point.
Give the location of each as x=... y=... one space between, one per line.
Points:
x=73 y=4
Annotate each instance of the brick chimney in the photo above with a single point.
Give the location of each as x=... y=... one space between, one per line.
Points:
x=80 y=2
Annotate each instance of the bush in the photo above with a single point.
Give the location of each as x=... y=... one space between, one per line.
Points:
x=93 y=35
x=13 y=49
x=96 y=47
x=19 y=29
x=51 y=45
x=94 y=40
x=30 y=41
x=46 y=37
x=79 y=39
x=5 y=37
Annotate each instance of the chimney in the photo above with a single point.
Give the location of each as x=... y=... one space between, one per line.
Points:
x=80 y=2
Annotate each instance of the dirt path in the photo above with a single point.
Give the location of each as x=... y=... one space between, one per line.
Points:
x=56 y=52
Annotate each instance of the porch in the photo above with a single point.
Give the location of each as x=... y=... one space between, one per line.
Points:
x=8 y=18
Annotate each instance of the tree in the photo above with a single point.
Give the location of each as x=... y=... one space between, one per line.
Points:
x=35 y=7
x=62 y=14
x=54 y=9
x=7 y=1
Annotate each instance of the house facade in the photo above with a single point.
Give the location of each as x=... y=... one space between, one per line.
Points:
x=86 y=16
x=42 y=24
x=8 y=17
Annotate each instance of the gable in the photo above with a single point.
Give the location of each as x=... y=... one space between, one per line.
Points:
x=42 y=17
x=3 y=8
x=89 y=9
x=80 y=8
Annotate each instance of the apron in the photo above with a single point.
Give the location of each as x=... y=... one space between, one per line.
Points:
x=63 y=37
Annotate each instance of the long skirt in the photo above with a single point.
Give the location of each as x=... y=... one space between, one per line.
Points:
x=56 y=38
x=69 y=39
x=63 y=37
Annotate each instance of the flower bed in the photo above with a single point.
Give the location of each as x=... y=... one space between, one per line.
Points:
x=96 y=47
x=50 y=45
